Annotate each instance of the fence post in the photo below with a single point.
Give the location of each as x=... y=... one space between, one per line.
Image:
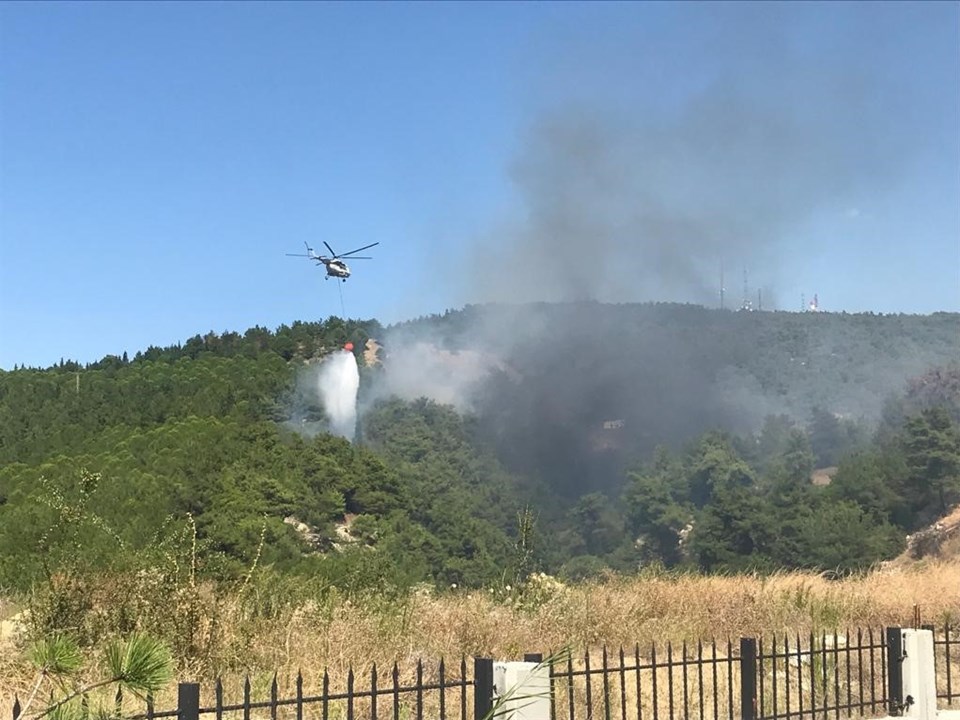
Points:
x=482 y=689
x=748 y=678
x=188 y=701
x=895 y=670
x=919 y=675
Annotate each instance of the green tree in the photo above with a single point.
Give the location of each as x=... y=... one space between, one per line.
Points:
x=732 y=529
x=931 y=446
x=597 y=525
x=655 y=511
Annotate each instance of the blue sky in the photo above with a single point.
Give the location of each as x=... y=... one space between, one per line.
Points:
x=158 y=160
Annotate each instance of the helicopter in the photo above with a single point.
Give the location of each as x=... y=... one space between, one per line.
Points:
x=336 y=267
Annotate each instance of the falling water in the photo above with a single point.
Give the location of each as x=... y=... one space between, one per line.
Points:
x=338 y=383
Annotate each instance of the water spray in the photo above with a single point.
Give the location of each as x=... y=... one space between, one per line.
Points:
x=338 y=383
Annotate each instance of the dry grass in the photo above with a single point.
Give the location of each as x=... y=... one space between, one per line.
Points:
x=234 y=637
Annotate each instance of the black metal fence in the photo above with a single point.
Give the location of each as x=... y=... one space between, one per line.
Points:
x=649 y=683
x=946 y=657
x=437 y=693
x=842 y=675
x=856 y=674
x=434 y=691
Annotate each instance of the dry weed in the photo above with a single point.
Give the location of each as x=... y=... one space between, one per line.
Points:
x=255 y=636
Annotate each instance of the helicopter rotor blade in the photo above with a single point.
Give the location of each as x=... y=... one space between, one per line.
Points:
x=332 y=252
x=358 y=257
x=299 y=255
x=347 y=254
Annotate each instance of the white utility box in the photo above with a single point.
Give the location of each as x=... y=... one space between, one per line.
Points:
x=522 y=691
x=919 y=679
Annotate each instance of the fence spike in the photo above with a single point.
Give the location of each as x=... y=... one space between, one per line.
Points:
x=299 y=695
x=700 y=675
x=373 y=691
x=218 y=697
x=16 y=707
x=463 y=686
x=442 y=676
x=419 y=689
x=350 y=694
x=589 y=688
x=274 y=691
x=670 y=678
x=714 y=671
x=846 y=651
x=946 y=649
x=325 y=707
x=636 y=679
x=623 y=684
x=786 y=671
x=730 y=679
x=606 y=685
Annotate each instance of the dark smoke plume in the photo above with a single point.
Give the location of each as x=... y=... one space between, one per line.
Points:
x=634 y=187
x=639 y=191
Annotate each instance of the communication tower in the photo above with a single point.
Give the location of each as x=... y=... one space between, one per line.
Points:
x=721 y=285
x=746 y=305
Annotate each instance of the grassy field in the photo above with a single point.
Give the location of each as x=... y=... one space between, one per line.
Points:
x=270 y=629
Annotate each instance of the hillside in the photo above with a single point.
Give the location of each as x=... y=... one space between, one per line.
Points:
x=744 y=365
x=938 y=541
x=492 y=442
x=662 y=374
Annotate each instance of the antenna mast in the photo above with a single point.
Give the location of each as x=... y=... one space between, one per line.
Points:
x=746 y=305
x=721 y=284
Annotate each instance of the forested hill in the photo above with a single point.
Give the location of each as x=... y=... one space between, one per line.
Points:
x=569 y=378
x=545 y=459
x=736 y=367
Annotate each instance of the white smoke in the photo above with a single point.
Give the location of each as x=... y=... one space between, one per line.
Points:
x=415 y=363
x=421 y=369
x=337 y=383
